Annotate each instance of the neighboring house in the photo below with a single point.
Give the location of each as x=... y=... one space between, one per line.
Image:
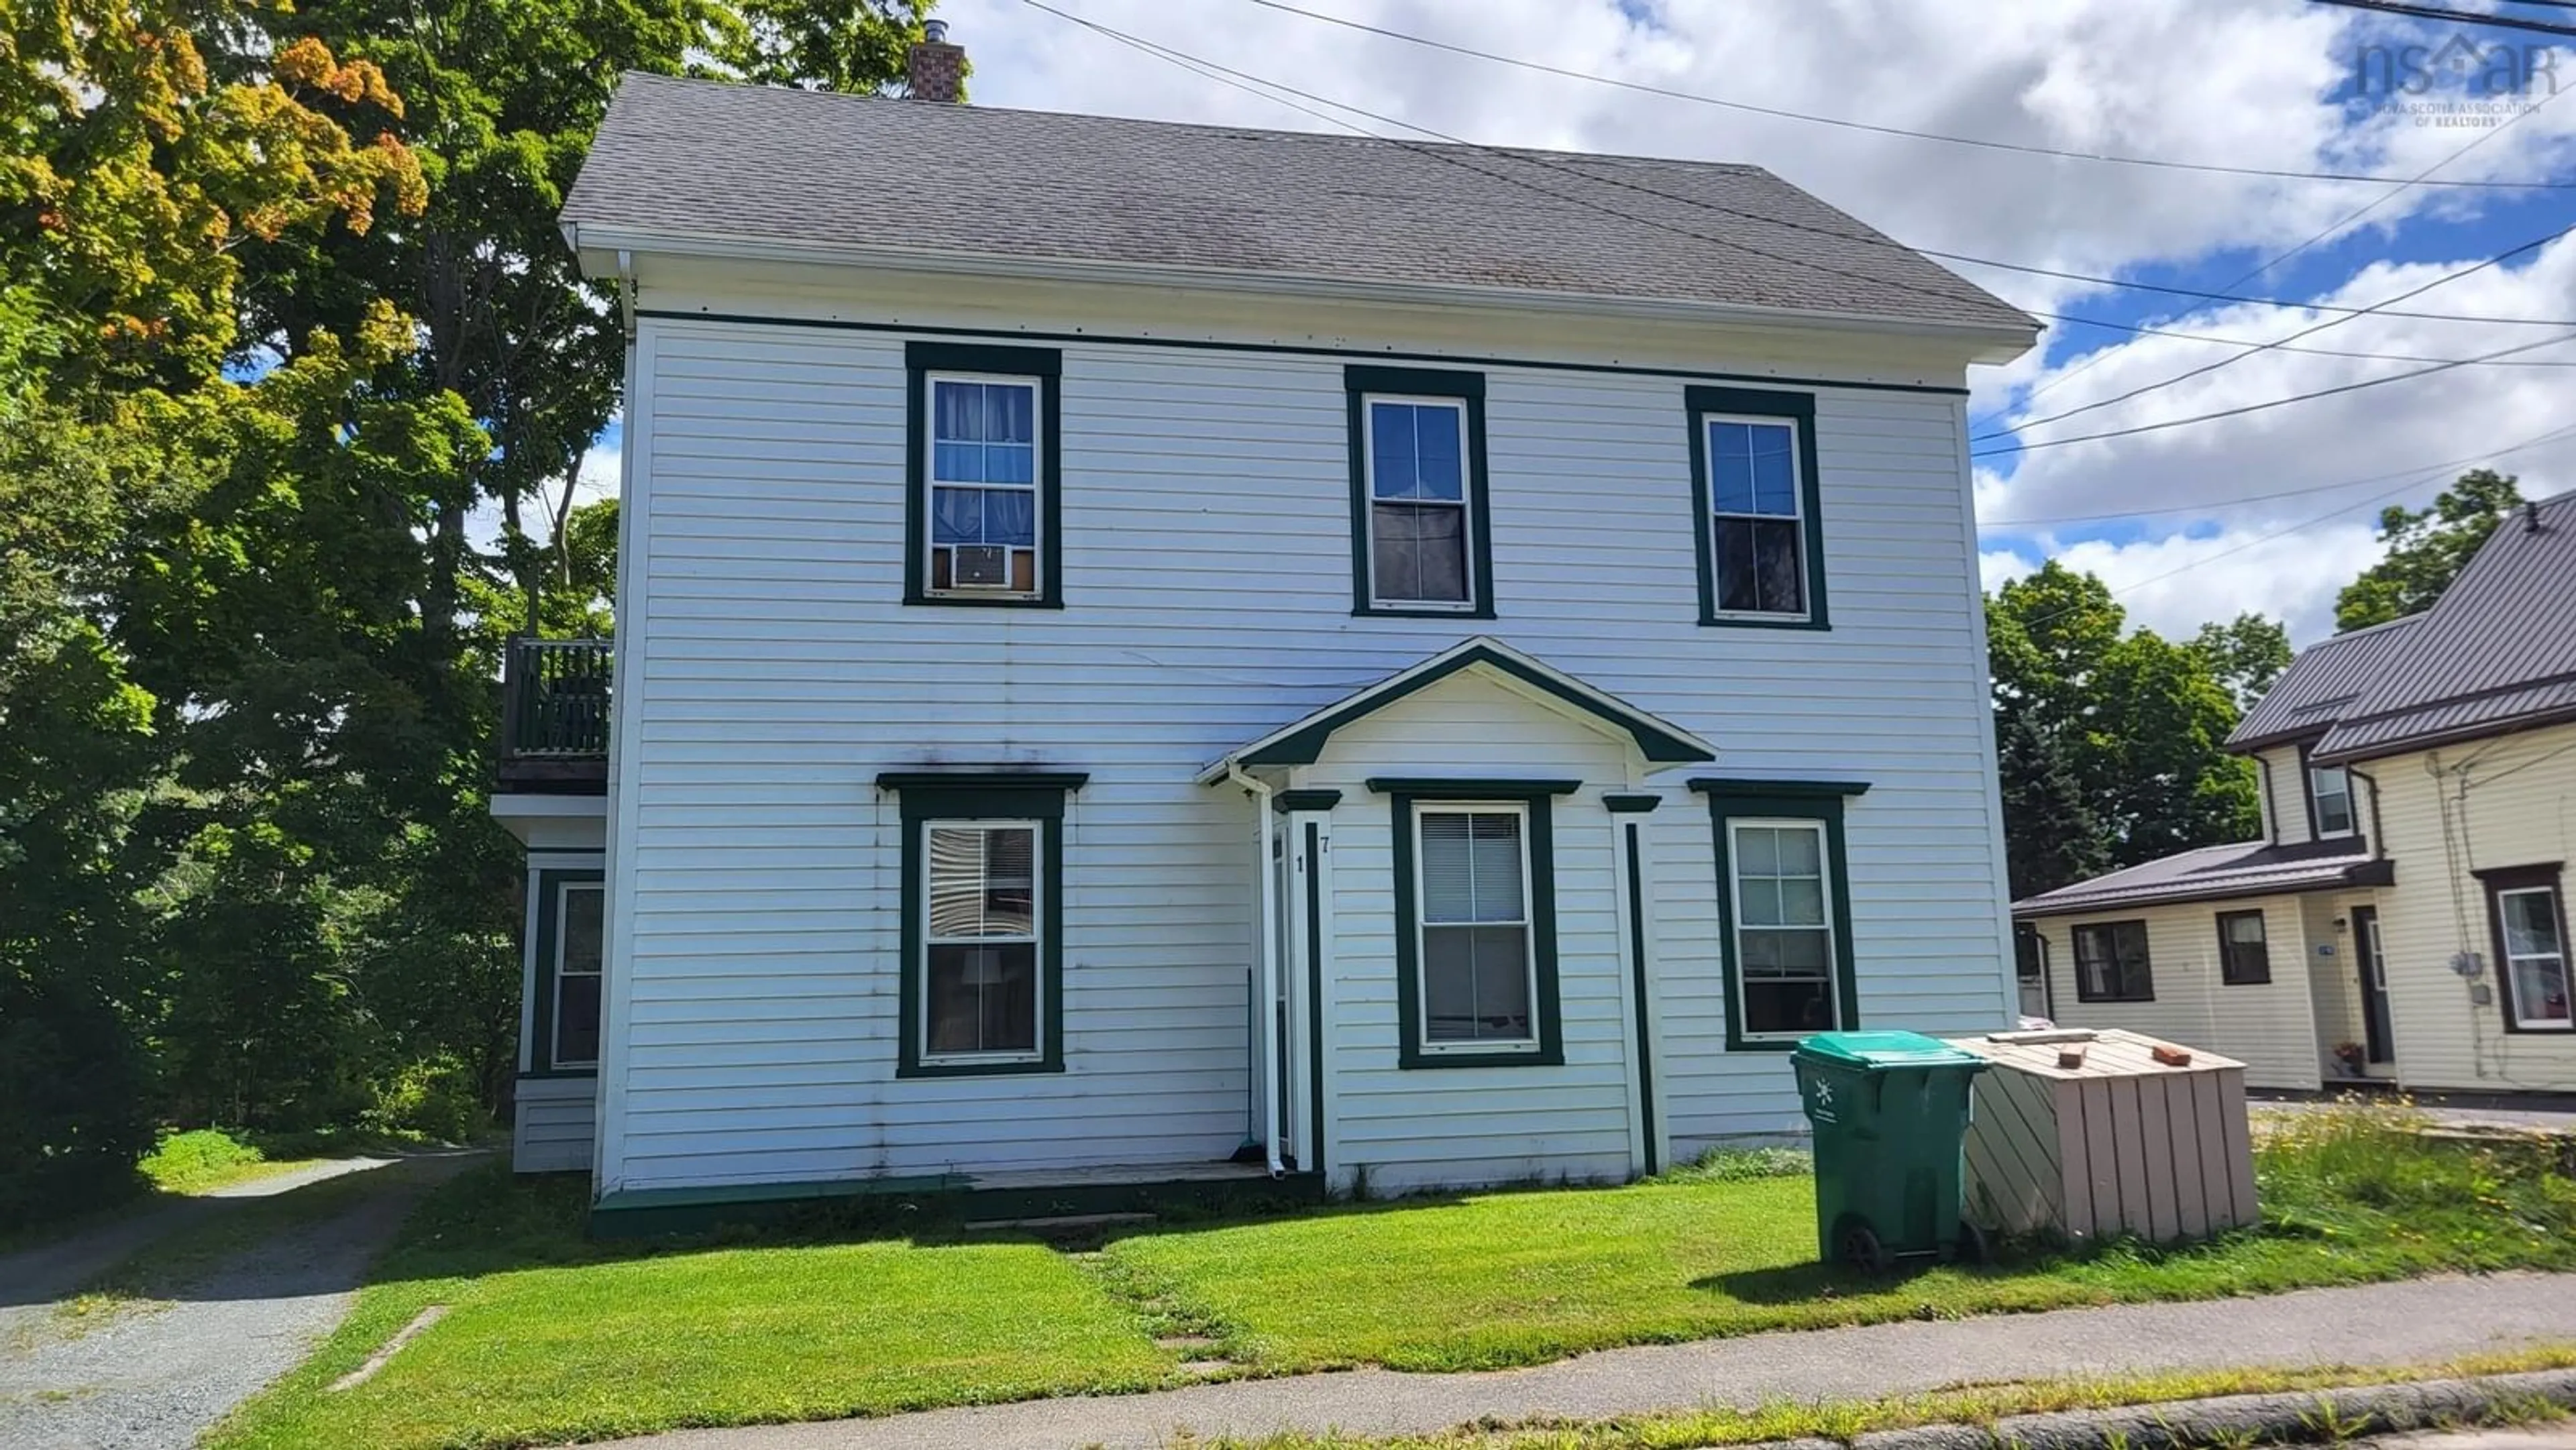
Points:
x=2408 y=901
x=1144 y=645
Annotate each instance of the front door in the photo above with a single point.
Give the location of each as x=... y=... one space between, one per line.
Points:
x=2378 y=1040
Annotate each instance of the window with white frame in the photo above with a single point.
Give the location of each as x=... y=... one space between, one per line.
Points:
x=1475 y=947
x=1756 y=523
x=980 y=942
x=1784 y=933
x=984 y=476
x=2330 y=788
x=1419 y=521
x=2530 y=925
x=580 y=920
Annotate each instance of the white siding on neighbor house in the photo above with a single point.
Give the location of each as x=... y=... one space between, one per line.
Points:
x=2272 y=1028
x=553 y=1124
x=1414 y=1127
x=769 y=670
x=2334 y=974
x=2515 y=806
x=2284 y=789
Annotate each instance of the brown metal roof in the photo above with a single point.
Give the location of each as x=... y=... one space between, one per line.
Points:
x=2212 y=873
x=705 y=159
x=2496 y=653
x=2326 y=677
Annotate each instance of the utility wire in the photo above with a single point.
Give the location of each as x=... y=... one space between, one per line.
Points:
x=2310 y=331
x=2418 y=481
x=2463 y=17
x=2337 y=486
x=2338 y=224
x=2243 y=409
x=2023 y=148
x=1215 y=71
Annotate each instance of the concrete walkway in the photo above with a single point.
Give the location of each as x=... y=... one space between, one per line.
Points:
x=2423 y=1321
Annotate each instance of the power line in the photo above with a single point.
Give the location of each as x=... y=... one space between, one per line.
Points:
x=2243 y=409
x=1845 y=123
x=2418 y=481
x=2464 y=17
x=1215 y=71
x=2138 y=392
x=2338 y=486
x=2337 y=225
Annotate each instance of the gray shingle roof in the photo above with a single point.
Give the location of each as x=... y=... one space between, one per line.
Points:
x=2326 y=677
x=2497 y=651
x=2216 y=873
x=709 y=159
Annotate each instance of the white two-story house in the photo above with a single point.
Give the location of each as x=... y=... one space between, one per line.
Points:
x=1153 y=652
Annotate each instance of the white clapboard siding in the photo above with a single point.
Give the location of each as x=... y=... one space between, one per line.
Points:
x=769 y=670
x=554 y=1124
x=2284 y=788
x=1411 y=1128
x=2517 y=808
x=2270 y=1027
x=2120 y=1145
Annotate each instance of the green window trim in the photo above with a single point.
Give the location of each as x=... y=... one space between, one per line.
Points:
x=1659 y=742
x=1631 y=839
x=1288 y=801
x=549 y=884
x=929 y=796
x=1800 y=409
x=1821 y=802
x=1359 y=384
x=1046 y=365
x=1535 y=797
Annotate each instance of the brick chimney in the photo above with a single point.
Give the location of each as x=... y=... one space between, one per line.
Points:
x=936 y=69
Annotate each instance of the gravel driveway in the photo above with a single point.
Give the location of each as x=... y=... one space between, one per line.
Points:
x=158 y=1375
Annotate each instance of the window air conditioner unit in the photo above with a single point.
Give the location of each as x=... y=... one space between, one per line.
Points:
x=981 y=566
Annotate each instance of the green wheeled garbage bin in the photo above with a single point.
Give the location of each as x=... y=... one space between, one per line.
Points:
x=1890 y=1110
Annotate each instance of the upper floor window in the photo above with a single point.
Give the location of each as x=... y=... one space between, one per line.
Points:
x=2111 y=963
x=2330 y=798
x=982 y=515
x=1753 y=460
x=1421 y=542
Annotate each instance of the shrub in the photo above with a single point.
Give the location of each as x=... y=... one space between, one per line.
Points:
x=436 y=1098
x=198 y=1159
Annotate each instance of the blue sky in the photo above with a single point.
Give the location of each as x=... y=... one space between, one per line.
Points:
x=2270 y=511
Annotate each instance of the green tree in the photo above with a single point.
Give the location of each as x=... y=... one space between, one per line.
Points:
x=2426 y=549
x=2111 y=739
x=2051 y=838
x=2246 y=655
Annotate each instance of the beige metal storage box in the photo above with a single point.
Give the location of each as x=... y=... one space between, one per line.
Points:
x=2120 y=1144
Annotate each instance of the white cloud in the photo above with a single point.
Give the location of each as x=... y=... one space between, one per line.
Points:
x=2174 y=584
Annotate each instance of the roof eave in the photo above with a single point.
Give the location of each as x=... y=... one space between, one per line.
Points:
x=596 y=243
x=2342 y=879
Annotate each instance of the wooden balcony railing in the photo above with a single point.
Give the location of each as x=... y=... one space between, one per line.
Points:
x=554 y=714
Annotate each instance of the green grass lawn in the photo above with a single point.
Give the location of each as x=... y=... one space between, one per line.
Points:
x=1492 y=1280
x=550 y=1339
